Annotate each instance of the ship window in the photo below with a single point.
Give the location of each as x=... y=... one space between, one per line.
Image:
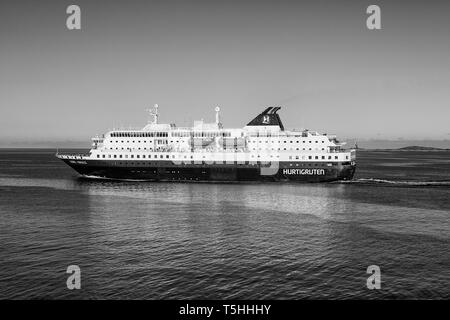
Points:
x=309 y=157
x=336 y=157
x=316 y=157
x=115 y=156
x=98 y=156
x=323 y=157
x=132 y=156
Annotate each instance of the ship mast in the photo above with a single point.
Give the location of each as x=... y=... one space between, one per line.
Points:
x=156 y=114
x=217 y=109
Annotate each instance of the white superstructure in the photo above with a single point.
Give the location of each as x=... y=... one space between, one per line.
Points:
x=211 y=142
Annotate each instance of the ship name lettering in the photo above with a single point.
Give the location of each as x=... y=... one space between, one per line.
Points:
x=319 y=172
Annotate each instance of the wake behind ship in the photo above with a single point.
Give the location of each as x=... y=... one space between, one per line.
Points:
x=261 y=151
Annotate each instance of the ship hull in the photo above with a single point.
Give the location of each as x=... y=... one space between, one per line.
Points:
x=168 y=171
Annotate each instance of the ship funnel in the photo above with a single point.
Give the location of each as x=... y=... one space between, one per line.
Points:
x=268 y=117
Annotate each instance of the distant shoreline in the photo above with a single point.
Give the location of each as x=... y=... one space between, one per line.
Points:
x=409 y=148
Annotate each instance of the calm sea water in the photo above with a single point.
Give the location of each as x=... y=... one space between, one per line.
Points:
x=136 y=240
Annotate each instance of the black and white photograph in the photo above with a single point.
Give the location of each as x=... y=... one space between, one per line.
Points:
x=253 y=151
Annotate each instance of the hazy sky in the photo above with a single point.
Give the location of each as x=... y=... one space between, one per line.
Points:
x=315 y=58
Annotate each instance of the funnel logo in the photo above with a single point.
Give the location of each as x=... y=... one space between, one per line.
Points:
x=266 y=120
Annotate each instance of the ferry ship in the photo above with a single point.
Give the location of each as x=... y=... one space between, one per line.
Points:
x=261 y=151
